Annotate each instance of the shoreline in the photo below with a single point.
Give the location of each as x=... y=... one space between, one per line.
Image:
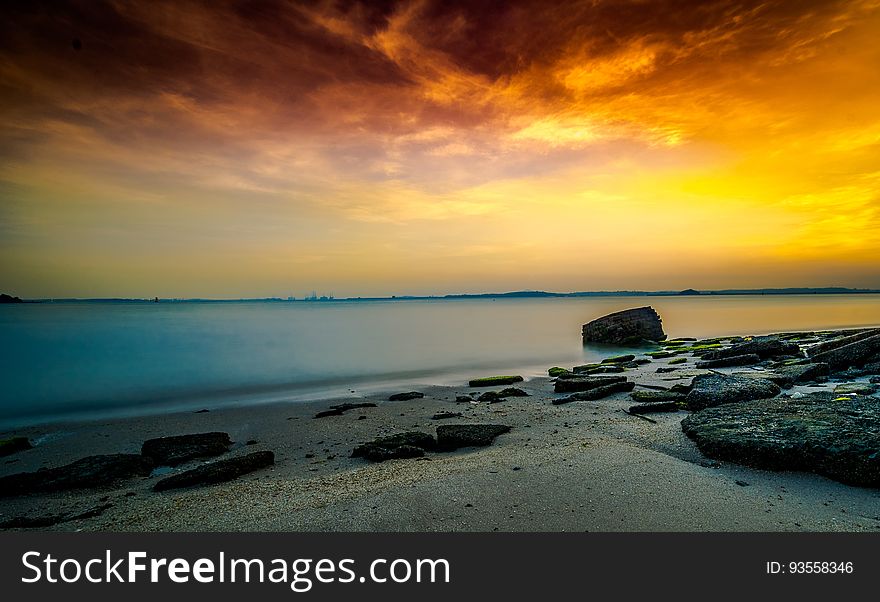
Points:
x=586 y=465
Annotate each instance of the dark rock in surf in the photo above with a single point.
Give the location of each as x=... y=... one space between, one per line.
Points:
x=86 y=473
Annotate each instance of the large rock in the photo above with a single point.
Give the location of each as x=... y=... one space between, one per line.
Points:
x=838 y=439
x=411 y=444
x=585 y=383
x=787 y=376
x=171 y=451
x=627 y=327
x=856 y=353
x=763 y=347
x=406 y=396
x=493 y=381
x=845 y=339
x=89 y=472
x=715 y=389
x=217 y=472
x=454 y=436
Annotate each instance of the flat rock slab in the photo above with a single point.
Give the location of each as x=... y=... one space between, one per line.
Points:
x=14 y=445
x=171 y=451
x=709 y=390
x=342 y=408
x=585 y=383
x=815 y=433
x=496 y=396
x=652 y=408
x=763 y=347
x=656 y=396
x=856 y=388
x=731 y=361
x=857 y=353
x=220 y=471
x=406 y=396
x=494 y=381
x=411 y=444
x=627 y=327
x=597 y=392
x=454 y=436
x=86 y=473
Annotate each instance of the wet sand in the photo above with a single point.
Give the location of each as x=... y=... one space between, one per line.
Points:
x=582 y=466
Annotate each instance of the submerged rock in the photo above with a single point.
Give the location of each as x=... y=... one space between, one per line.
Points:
x=454 y=436
x=627 y=327
x=493 y=381
x=839 y=439
x=731 y=361
x=584 y=383
x=217 y=472
x=410 y=444
x=171 y=451
x=597 y=392
x=406 y=396
x=88 y=472
x=14 y=445
x=710 y=390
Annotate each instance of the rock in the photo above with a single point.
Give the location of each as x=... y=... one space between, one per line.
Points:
x=556 y=371
x=666 y=370
x=513 y=392
x=463 y=399
x=88 y=472
x=650 y=408
x=677 y=360
x=454 y=436
x=857 y=353
x=620 y=359
x=171 y=451
x=763 y=347
x=715 y=389
x=840 y=341
x=681 y=388
x=730 y=361
x=340 y=409
x=659 y=355
x=217 y=472
x=787 y=376
x=406 y=396
x=412 y=444
x=445 y=415
x=856 y=389
x=631 y=326
x=496 y=396
x=492 y=381
x=585 y=383
x=597 y=392
x=837 y=439
x=656 y=396
x=14 y=445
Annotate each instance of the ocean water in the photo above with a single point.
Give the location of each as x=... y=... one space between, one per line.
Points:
x=92 y=360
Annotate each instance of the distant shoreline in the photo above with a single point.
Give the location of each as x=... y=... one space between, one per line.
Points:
x=456 y=296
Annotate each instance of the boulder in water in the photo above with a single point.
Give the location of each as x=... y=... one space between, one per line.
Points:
x=627 y=327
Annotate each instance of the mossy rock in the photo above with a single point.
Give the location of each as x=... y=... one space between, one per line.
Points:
x=678 y=360
x=491 y=381
x=557 y=371
x=704 y=346
x=14 y=445
x=620 y=359
x=659 y=354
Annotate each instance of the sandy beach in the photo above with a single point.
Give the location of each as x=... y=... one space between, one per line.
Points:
x=582 y=466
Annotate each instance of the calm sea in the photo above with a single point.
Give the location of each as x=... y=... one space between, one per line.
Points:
x=80 y=360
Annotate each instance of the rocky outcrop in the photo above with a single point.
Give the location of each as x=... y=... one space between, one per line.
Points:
x=710 y=390
x=763 y=347
x=406 y=396
x=493 y=381
x=220 y=471
x=412 y=444
x=585 y=383
x=788 y=376
x=92 y=471
x=628 y=327
x=597 y=392
x=171 y=451
x=845 y=339
x=855 y=353
x=14 y=445
x=454 y=436
x=839 y=439
x=496 y=396
x=4 y=298
x=728 y=362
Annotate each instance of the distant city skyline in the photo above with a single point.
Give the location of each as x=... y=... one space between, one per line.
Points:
x=419 y=147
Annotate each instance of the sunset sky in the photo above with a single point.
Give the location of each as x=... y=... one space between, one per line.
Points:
x=249 y=149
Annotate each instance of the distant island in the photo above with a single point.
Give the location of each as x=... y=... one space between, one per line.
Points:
x=313 y=298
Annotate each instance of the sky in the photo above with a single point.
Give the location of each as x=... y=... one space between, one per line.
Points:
x=245 y=149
